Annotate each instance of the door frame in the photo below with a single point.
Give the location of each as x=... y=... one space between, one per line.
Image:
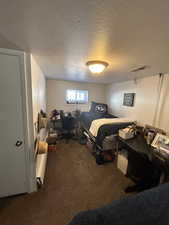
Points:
x=27 y=113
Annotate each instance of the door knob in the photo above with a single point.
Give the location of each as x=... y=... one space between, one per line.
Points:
x=18 y=143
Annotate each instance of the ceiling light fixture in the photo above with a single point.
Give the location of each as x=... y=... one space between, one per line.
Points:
x=97 y=66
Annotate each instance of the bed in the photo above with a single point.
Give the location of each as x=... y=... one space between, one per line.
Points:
x=110 y=124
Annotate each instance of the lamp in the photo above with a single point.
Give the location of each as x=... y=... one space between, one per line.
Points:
x=97 y=66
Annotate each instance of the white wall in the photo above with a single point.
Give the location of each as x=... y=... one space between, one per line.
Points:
x=56 y=93
x=38 y=89
x=146 y=90
x=164 y=105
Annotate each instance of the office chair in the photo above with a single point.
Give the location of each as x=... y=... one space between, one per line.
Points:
x=68 y=126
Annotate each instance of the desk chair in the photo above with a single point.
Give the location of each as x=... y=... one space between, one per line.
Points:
x=68 y=126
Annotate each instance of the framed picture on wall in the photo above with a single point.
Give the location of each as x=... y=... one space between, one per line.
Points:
x=128 y=99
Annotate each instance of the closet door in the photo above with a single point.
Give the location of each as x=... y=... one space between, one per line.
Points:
x=12 y=152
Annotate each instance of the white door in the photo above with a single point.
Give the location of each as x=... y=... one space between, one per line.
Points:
x=12 y=154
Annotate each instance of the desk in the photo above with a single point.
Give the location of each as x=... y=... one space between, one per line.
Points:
x=144 y=165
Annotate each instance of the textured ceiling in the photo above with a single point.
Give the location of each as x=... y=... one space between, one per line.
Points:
x=64 y=34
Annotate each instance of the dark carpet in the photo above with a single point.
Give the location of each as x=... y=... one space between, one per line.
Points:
x=73 y=182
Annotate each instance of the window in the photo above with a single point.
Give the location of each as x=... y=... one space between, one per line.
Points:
x=76 y=96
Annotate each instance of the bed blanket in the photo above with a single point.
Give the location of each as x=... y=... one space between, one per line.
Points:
x=147 y=208
x=96 y=124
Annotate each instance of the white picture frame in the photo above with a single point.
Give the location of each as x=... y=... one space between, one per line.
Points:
x=160 y=141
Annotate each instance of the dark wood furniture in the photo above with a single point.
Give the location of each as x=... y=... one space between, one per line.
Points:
x=146 y=166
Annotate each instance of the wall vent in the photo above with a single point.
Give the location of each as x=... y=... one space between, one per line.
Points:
x=139 y=68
